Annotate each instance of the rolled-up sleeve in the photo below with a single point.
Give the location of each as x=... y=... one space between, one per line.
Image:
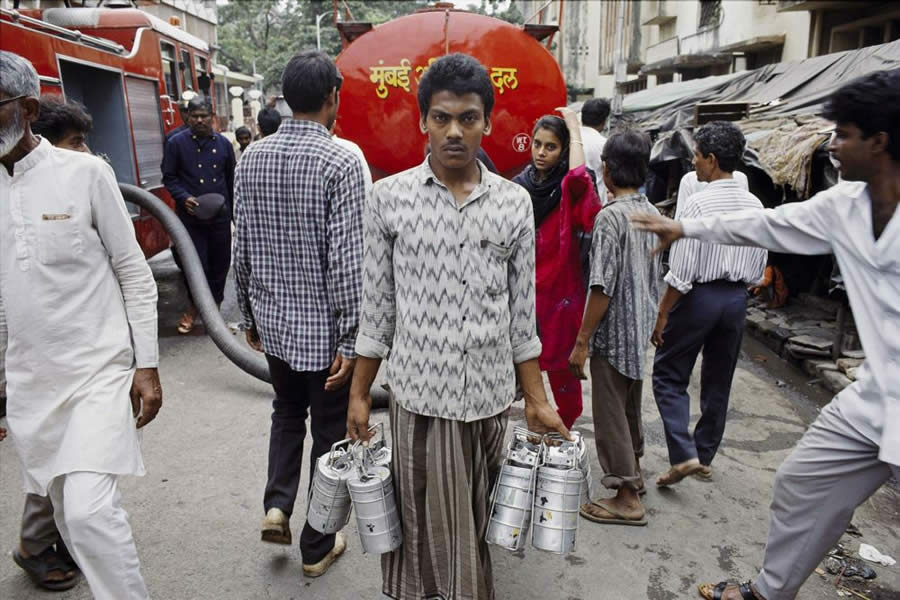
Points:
x=379 y=310
x=684 y=258
x=684 y=261
x=345 y=248
x=113 y=224
x=521 y=277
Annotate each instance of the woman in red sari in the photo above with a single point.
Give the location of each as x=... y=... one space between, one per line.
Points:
x=565 y=202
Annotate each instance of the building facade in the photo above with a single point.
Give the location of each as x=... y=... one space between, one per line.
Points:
x=676 y=40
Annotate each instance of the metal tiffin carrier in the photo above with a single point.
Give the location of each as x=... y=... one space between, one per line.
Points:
x=513 y=495
x=328 y=507
x=561 y=484
x=371 y=487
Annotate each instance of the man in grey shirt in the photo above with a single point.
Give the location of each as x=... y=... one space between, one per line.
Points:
x=617 y=324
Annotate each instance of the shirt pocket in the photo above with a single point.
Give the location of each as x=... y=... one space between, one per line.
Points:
x=58 y=238
x=494 y=265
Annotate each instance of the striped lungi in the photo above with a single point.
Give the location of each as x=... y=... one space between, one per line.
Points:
x=443 y=473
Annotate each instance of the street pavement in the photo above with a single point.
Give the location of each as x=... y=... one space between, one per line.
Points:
x=196 y=514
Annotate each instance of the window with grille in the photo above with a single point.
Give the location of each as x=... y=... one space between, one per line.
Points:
x=710 y=13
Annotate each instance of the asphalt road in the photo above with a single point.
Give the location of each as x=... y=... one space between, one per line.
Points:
x=197 y=512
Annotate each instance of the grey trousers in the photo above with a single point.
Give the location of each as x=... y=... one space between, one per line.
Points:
x=38 y=527
x=832 y=470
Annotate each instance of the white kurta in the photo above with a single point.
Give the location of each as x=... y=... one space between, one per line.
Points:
x=80 y=307
x=839 y=221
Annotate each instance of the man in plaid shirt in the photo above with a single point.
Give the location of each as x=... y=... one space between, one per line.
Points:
x=298 y=251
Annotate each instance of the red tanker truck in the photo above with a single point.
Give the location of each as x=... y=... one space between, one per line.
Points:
x=382 y=65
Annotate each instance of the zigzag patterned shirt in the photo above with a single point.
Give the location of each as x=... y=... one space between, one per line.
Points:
x=448 y=292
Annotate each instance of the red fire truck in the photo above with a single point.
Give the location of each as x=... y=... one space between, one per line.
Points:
x=129 y=68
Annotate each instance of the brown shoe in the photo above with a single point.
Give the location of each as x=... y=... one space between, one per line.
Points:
x=319 y=569
x=276 y=527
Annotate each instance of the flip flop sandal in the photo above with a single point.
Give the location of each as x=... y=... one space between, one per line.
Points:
x=39 y=568
x=615 y=519
x=714 y=592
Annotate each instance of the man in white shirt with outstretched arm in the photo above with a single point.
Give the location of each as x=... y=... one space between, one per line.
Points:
x=854 y=445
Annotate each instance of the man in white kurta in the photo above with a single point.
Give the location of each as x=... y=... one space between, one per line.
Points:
x=79 y=305
x=854 y=445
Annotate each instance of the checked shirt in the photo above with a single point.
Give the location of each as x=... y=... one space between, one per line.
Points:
x=299 y=198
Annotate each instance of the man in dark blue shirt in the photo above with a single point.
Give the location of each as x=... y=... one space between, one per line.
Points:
x=198 y=161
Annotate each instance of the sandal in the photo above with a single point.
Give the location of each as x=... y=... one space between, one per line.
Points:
x=614 y=518
x=65 y=557
x=40 y=566
x=714 y=592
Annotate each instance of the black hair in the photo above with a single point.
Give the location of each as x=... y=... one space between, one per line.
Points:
x=872 y=103
x=58 y=117
x=199 y=102
x=627 y=157
x=268 y=120
x=243 y=131
x=457 y=73
x=557 y=126
x=308 y=80
x=725 y=140
x=594 y=112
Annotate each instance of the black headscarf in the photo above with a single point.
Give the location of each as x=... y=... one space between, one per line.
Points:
x=546 y=194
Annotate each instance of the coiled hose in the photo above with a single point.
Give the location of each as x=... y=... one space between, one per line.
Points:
x=234 y=349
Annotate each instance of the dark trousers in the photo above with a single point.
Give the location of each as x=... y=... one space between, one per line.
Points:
x=298 y=394
x=710 y=317
x=213 y=244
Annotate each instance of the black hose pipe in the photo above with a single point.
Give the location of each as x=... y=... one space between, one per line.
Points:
x=233 y=349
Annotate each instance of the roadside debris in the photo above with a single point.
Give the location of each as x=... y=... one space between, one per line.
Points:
x=871 y=554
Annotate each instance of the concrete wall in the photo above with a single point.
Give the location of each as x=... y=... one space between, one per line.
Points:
x=585 y=46
x=741 y=20
x=198 y=17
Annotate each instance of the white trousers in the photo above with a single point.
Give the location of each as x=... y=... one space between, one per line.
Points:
x=832 y=470
x=95 y=528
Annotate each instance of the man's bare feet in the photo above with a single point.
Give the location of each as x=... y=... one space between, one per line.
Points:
x=679 y=472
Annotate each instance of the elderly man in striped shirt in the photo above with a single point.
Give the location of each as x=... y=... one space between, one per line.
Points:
x=707 y=301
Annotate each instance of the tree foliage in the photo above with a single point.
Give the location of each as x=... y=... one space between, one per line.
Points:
x=261 y=36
